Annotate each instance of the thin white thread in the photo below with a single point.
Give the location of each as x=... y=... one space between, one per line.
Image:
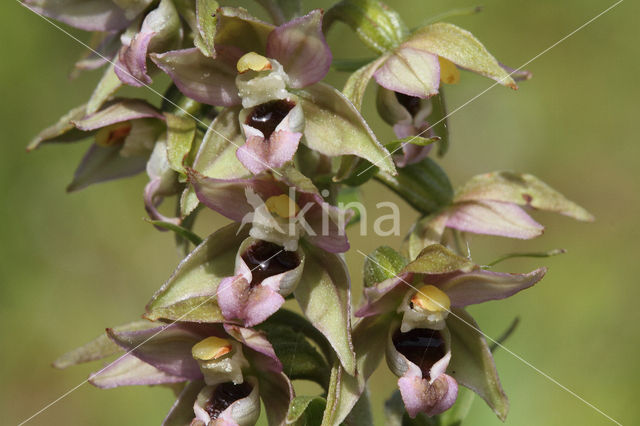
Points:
x=146 y=86
x=496 y=342
x=497 y=83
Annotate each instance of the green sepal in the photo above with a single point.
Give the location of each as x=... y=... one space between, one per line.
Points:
x=204 y=40
x=324 y=297
x=424 y=185
x=100 y=347
x=63 y=131
x=306 y=411
x=383 y=263
x=190 y=293
x=181 y=132
x=395 y=145
x=378 y=26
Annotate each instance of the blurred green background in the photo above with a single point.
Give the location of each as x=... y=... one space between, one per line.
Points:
x=71 y=265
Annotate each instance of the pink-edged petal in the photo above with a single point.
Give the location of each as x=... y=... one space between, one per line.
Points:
x=88 y=15
x=250 y=306
x=167 y=348
x=118 y=112
x=385 y=296
x=300 y=46
x=420 y=396
x=410 y=71
x=482 y=286
x=206 y=80
x=494 y=218
x=258 y=155
x=228 y=197
x=263 y=356
x=131 y=68
x=329 y=235
x=129 y=371
x=153 y=197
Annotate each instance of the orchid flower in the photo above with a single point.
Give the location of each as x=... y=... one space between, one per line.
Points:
x=224 y=369
x=492 y=204
x=430 y=294
x=274 y=74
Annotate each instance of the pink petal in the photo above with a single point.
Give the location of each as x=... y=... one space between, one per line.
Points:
x=410 y=71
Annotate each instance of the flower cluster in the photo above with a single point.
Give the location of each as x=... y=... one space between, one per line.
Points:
x=248 y=129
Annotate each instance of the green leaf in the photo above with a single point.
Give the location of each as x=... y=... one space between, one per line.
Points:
x=179 y=230
x=300 y=324
x=181 y=132
x=521 y=189
x=354 y=171
x=460 y=47
x=424 y=185
x=378 y=26
x=63 y=131
x=190 y=293
x=306 y=411
x=334 y=127
x=300 y=360
x=472 y=364
x=323 y=295
x=383 y=263
x=99 y=348
x=206 y=16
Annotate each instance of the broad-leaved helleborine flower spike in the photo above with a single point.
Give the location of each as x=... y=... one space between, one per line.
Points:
x=274 y=74
x=222 y=366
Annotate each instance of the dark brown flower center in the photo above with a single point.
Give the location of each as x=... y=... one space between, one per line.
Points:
x=266 y=117
x=422 y=346
x=223 y=396
x=266 y=259
x=411 y=103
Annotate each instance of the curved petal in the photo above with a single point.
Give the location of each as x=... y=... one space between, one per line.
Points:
x=206 y=80
x=160 y=31
x=167 y=348
x=493 y=218
x=88 y=15
x=263 y=355
x=118 y=112
x=522 y=189
x=460 y=47
x=251 y=306
x=385 y=296
x=259 y=155
x=410 y=71
x=481 y=286
x=300 y=46
x=130 y=371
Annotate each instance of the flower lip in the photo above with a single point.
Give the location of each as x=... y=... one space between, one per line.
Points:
x=224 y=395
x=266 y=117
x=421 y=346
x=265 y=259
